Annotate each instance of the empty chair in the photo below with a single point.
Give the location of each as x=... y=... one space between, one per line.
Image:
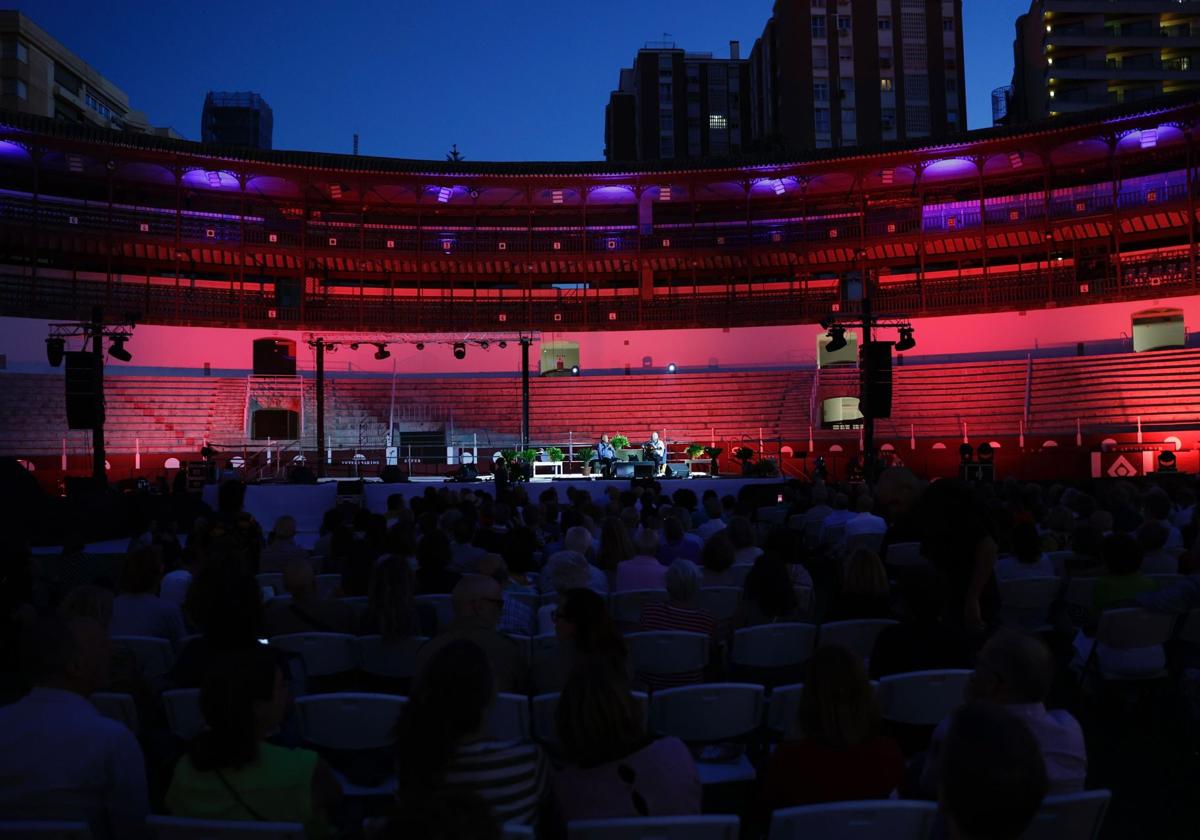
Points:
x=1025 y=602
x=626 y=607
x=182 y=828
x=328 y=585
x=859 y=635
x=721 y=601
x=117 y=706
x=904 y=554
x=392 y=660
x=922 y=698
x=349 y=720
x=663 y=652
x=656 y=828
x=442 y=605
x=184 y=715
x=867 y=820
x=44 y=830
x=324 y=654
x=508 y=719
x=154 y=655
x=710 y=713
x=1073 y=816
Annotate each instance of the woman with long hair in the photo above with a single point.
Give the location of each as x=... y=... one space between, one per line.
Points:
x=231 y=772
x=616 y=546
x=391 y=611
x=768 y=595
x=583 y=627
x=865 y=591
x=443 y=741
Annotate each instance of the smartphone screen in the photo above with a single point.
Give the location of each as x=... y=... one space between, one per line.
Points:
x=779 y=498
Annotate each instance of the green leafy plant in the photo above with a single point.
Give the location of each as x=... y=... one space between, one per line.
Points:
x=695 y=450
x=587 y=456
x=620 y=442
x=555 y=453
x=508 y=455
x=744 y=454
x=528 y=455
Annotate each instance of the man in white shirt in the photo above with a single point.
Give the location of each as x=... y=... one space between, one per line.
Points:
x=1016 y=671
x=60 y=759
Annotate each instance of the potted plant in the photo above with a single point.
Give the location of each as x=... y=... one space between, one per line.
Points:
x=555 y=453
x=586 y=459
x=714 y=453
x=621 y=444
x=695 y=450
x=744 y=454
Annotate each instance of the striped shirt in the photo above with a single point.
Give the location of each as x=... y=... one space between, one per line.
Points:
x=667 y=616
x=512 y=778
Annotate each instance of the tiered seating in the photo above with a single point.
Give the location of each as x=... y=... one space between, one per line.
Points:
x=33 y=414
x=163 y=413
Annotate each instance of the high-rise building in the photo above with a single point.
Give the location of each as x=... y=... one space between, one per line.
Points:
x=1073 y=55
x=674 y=104
x=834 y=73
x=237 y=119
x=38 y=75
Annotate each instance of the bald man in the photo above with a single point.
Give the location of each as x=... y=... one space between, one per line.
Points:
x=478 y=603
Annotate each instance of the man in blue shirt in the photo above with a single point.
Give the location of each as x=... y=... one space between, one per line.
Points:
x=606 y=454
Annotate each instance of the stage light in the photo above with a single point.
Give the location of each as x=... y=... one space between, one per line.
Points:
x=55 y=346
x=460 y=350
x=502 y=345
x=906 y=342
x=966 y=454
x=574 y=370
x=671 y=368
x=485 y=344
x=117 y=350
x=837 y=339
x=420 y=345
x=382 y=352
x=1167 y=462
x=985 y=453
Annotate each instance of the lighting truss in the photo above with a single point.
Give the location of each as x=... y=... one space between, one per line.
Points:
x=482 y=340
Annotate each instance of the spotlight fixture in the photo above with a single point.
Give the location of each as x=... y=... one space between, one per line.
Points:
x=502 y=345
x=55 y=346
x=837 y=339
x=985 y=453
x=966 y=454
x=671 y=368
x=381 y=352
x=460 y=350
x=483 y=345
x=420 y=345
x=574 y=370
x=118 y=351
x=906 y=342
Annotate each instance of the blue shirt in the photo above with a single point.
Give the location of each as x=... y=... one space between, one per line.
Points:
x=605 y=450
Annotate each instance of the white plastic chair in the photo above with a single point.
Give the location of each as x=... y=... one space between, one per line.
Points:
x=859 y=635
x=154 y=655
x=866 y=820
x=327 y=585
x=656 y=828
x=508 y=719
x=183 y=828
x=773 y=645
x=349 y=720
x=922 y=698
x=394 y=660
x=667 y=651
x=1127 y=628
x=627 y=606
x=1025 y=602
x=118 y=707
x=1073 y=816
x=904 y=555
x=709 y=713
x=721 y=601
x=324 y=654
x=442 y=605
x=783 y=708
x=184 y=715
x=44 y=830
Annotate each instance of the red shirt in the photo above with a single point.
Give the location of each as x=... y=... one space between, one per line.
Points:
x=808 y=773
x=666 y=616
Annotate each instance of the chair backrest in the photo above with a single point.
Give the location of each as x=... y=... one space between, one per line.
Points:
x=903 y=554
x=44 y=830
x=709 y=712
x=859 y=635
x=508 y=719
x=868 y=820
x=721 y=601
x=783 y=708
x=395 y=660
x=773 y=645
x=1026 y=602
x=1080 y=591
x=544 y=707
x=327 y=585
x=117 y=706
x=349 y=720
x=656 y=828
x=922 y=698
x=627 y=606
x=667 y=651
x=1073 y=816
x=443 y=605
x=1133 y=627
x=323 y=653
x=154 y=655
x=184 y=715
x=183 y=828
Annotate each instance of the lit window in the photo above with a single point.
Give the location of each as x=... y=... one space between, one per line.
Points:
x=717 y=121
x=885 y=84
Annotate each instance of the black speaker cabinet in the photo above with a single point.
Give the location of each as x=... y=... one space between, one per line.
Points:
x=875 y=371
x=84 y=390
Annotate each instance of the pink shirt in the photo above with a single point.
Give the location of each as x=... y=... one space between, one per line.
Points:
x=642 y=572
x=663 y=775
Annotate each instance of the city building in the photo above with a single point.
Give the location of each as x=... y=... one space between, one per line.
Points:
x=1072 y=55
x=236 y=119
x=674 y=105
x=40 y=76
x=835 y=73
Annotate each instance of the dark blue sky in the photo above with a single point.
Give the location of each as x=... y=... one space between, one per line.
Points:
x=521 y=80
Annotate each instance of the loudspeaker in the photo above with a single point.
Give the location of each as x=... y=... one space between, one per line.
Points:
x=875 y=371
x=85 y=390
x=622 y=469
x=677 y=470
x=644 y=469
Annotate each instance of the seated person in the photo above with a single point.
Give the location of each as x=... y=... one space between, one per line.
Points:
x=583 y=628
x=642 y=571
x=1016 y=671
x=1157 y=559
x=231 y=772
x=306 y=613
x=681 y=613
x=1027 y=559
x=281 y=546
x=921 y=641
x=614 y=768
x=138 y=610
x=606 y=456
x=838 y=754
x=60 y=759
x=1123 y=580
x=768 y=595
x=865 y=592
x=656 y=451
